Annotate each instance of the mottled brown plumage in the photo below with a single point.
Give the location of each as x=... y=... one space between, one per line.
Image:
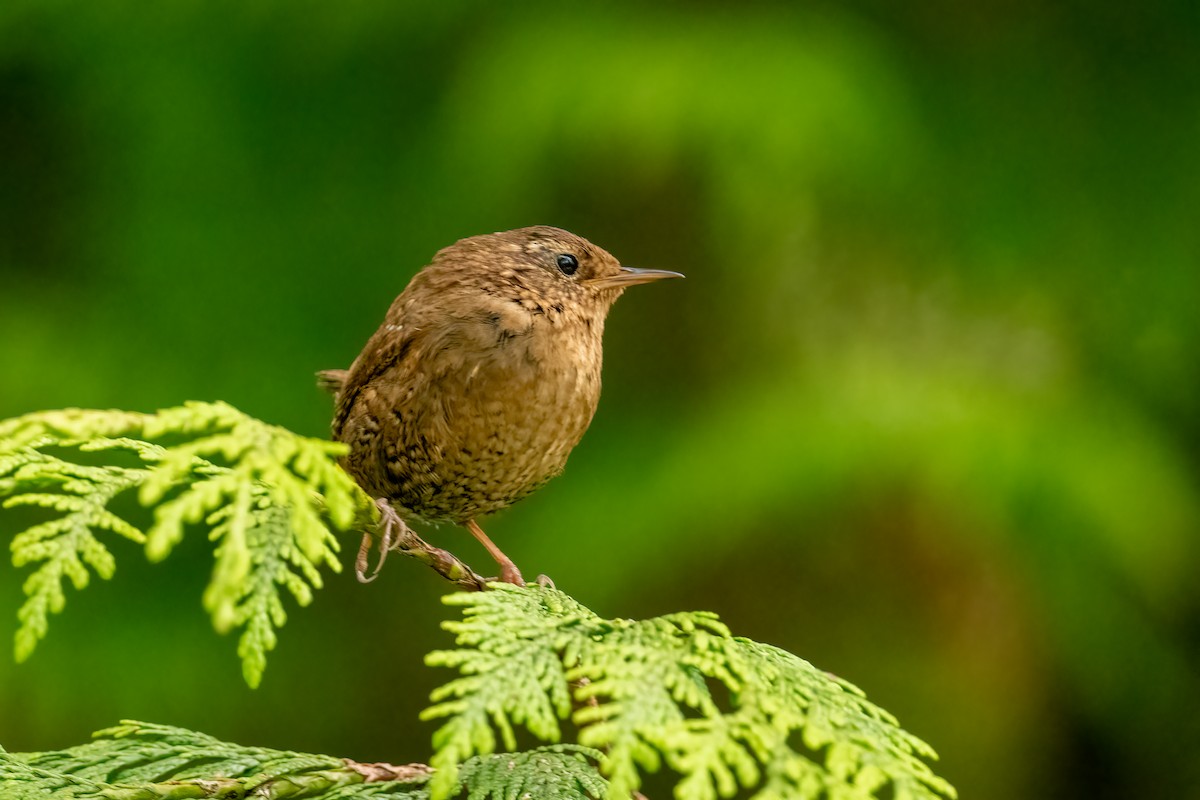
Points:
x=483 y=376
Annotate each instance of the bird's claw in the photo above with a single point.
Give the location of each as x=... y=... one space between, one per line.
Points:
x=363 y=561
x=389 y=527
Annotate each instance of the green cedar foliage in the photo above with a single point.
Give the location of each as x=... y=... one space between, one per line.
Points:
x=725 y=714
x=141 y=761
x=267 y=497
x=677 y=691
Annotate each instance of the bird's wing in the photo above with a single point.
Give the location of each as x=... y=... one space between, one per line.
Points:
x=419 y=348
x=388 y=350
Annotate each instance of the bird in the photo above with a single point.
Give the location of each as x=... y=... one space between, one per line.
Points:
x=481 y=379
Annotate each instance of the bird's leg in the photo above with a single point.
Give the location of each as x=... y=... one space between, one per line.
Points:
x=508 y=570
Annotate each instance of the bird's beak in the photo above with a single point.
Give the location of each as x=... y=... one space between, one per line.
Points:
x=629 y=276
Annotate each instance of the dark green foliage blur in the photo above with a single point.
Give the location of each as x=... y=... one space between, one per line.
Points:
x=922 y=413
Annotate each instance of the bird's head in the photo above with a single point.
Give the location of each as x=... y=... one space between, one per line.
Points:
x=547 y=268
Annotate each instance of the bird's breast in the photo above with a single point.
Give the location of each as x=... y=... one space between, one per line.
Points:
x=535 y=396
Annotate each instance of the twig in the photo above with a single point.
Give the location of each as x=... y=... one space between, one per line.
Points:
x=382 y=771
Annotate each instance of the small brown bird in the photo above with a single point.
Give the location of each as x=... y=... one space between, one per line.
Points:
x=483 y=376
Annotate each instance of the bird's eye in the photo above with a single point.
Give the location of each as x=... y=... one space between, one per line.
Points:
x=567 y=264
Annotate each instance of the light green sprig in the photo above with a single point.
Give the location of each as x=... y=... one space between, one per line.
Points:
x=271 y=501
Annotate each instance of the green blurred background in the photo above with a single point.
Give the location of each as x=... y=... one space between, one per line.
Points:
x=923 y=411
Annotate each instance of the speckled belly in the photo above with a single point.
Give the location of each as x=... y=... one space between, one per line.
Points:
x=480 y=442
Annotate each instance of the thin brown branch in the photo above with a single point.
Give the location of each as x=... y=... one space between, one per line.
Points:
x=382 y=771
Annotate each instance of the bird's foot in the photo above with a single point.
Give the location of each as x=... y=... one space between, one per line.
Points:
x=544 y=581
x=510 y=574
x=391 y=527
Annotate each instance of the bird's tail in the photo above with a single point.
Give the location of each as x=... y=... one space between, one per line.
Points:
x=332 y=380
